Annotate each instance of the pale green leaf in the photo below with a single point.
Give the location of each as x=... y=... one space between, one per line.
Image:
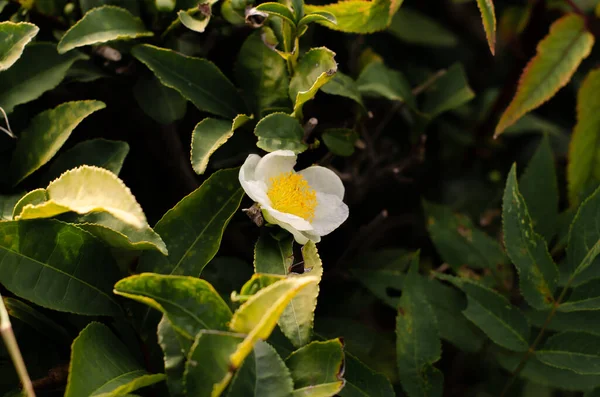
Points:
x=319 y=16
x=102 y=366
x=100 y=25
x=163 y=104
x=583 y=171
x=558 y=56
x=576 y=351
x=263 y=374
x=209 y=135
x=258 y=315
x=45 y=135
x=488 y=17
x=198 y=80
x=57 y=266
x=88 y=189
x=34 y=197
x=188 y=20
x=314 y=69
x=538 y=274
x=39 y=69
x=317 y=369
x=13 y=38
x=279 y=131
x=190 y=304
x=358 y=16
x=275 y=9
x=98 y=152
x=192 y=230
x=418 y=344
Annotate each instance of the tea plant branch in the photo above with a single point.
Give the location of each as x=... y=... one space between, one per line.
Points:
x=538 y=338
x=13 y=350
x=7 y=130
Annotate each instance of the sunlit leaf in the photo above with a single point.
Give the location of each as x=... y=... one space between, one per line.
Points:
x=314 y=69
x=13 y=38
x=488 y=16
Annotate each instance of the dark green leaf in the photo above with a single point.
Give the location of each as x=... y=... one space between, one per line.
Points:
x=538 y=275
x=314 y=69
x=318 y=16
x=343 y=85
x=273 y=254
x=540 y=191
x=99 y=152
x=377 y=80
x=279 y=131
x=585 y=297
x=58 y=266
x=175 y=348
x=101 y=25
x=576 y=351
x=37 y=320
x=584 y=238
x=7 y=203
x=418 y=344
x=192 y=230
x=449 y=91
x=38 y=70
x=46 y=134
x=102 y=366
x=263 y=374
x=362 y=381
x=189 y=303
x=493 y=314
x=415 y=28
x=318 y=365
x=13 y=39
x=340 y=141
x=263 y=76
x=277 y=9
x=196 y=79
x=163 y=104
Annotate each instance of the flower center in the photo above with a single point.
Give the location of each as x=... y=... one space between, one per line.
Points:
x=291 y=193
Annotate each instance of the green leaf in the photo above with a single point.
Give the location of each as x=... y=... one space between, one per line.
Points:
x=343 y=85
x=318 y=368
x=7 y=203
x=418 y=344
x=102 y=153
x=340 y=141
x=192 y=230
x=194 y=24
x=57 y=266
x=503 y=323
x=163 y=104
x=190 y=304
x=273 y=254
x=101 y=366
x=88 y=189
x=459 y=242
x=258 y=315
x=319 y=16
x=416 y=28
x=585 y=297
x=100 y=25
x=488 y=17
x=175 y=348
x=198 y=80
x=263 y=374
x=362 y=381
x=45 y=135
x=584 y=237
x=279 y=131
x=377 y=80
x=583 y=171
x=34 y=197
x=538 y=274
x=276 y=9
x=39 y=69
x=14 y=37
x=44 y=325
x=448 y=92
x=576 y=351
x=558 y=56
x=262 y=75
x=204 y=378
x=358 y=16
x=314 y=69
x=209 y=135
x=540 y=191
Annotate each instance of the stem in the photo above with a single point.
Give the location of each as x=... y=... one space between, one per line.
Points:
x=575 y=7
x=538 y=339
x=13 y=350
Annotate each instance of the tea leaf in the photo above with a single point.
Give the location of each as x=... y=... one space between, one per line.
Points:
x=14 y=37
x=488 y=17
x=279 y=131
x=576 y=351
x=314 y=69
x=358 y=16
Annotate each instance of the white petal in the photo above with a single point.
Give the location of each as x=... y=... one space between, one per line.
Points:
x=323 y=180
x=257 y=190
x=293 y=220
x=330 y=213
x=274 y=164
x=299 y=236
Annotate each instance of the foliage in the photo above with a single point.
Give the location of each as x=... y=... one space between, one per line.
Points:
x=155 y=239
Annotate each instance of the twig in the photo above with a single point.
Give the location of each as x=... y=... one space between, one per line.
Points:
x=7 y=130
x=13 y=350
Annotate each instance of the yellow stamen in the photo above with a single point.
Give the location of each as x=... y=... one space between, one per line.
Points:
x=290 y=193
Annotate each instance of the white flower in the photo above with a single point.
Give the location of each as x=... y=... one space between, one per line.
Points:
x=308 y=203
